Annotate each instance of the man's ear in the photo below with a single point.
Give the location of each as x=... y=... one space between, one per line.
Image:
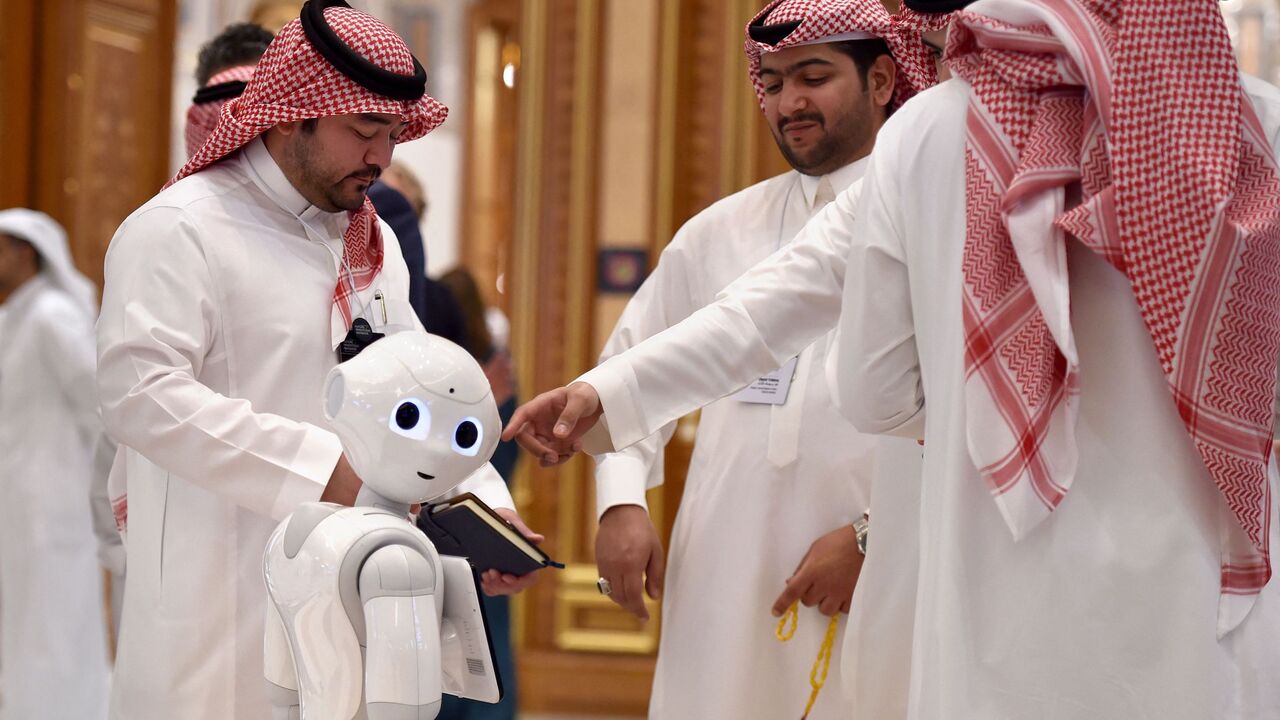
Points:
x=288 y=128
x=882 y=79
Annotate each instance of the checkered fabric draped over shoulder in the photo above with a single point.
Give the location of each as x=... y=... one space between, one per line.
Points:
x=202 y=118
x=293 y=81
x=820 y=19
x=1105 y=95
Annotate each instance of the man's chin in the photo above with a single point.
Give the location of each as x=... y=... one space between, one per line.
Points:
x=802 y=159
x=350 y=201
x=807 y=163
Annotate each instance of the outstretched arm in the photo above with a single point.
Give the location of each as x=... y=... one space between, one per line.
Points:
x=764 y=318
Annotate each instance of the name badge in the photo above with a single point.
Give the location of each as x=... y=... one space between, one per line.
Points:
x=770 y=389
x=359 y=337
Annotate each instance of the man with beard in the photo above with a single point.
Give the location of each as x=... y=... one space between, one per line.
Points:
x=778 y=457
x=229 y=296
x=1091 y=534
x=224 y=67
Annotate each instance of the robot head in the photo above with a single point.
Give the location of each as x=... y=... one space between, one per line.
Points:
x=415 y=415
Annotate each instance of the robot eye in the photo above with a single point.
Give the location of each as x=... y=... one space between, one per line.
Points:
x=411 y=419
x=467 y=436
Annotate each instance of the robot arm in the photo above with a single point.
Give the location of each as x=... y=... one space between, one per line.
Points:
x=399 y=590
x=281 y=676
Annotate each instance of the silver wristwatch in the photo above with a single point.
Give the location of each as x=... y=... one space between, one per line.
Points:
x=861 y=527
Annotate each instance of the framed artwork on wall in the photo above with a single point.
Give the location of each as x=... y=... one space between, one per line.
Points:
x=622 y=270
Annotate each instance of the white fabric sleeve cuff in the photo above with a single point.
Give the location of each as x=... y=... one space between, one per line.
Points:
x=614 y=381
x=310 y=472
x=621 y=479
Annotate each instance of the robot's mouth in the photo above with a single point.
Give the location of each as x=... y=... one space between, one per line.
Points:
x=425 y=476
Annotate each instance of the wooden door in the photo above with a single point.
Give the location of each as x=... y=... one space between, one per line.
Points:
x=86 y=87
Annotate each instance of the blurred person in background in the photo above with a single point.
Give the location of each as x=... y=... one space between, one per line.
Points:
x=490 y=352
x=402 y=203
x=497 y=367
x=224 y=67
x=52 y=636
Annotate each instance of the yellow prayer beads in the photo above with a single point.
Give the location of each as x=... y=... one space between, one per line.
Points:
x=822 y=663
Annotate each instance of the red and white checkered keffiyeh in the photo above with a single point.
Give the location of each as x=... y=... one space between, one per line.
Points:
x=202 y=118
x=294 y=82
x=1140 y=103
x=831 y=20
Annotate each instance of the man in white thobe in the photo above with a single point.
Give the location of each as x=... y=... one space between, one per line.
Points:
x=52 y=634
x=1117 y=604
x=787 y=460
x=227 y=298
x=224 y=67
x=1112 y=607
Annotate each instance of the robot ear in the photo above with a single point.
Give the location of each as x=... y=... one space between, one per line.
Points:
x=335 y=391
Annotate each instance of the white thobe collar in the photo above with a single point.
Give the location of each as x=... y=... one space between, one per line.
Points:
x=267 y=175
x=840 y=179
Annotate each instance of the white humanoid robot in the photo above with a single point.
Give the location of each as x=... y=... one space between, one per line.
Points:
x=364 y=618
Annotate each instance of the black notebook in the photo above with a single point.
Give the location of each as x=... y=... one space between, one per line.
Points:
x=466 y=527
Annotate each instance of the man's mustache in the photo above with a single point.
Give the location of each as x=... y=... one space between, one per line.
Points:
x=371 y=173
x=802 y=117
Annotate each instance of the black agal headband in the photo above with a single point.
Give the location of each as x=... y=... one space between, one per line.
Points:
x=771 y=34
x=221 y=91
x=353 y=64
x=935 y=6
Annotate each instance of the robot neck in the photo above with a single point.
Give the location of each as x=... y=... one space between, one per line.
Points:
x=368 y=497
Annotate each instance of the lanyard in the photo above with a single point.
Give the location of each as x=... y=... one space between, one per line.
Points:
x=351 y=280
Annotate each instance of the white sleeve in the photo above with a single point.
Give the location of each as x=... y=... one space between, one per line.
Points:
x=158 y=320
x=111 y=555
x=487 y=485
x=873 y=369
x=767 y=316
x=667 y=296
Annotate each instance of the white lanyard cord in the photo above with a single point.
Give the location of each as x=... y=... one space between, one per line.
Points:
x=351 y=279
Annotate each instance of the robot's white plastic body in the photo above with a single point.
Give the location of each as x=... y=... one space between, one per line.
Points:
x=365 y=619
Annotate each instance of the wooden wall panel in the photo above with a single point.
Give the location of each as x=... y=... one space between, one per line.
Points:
x=489 y=143
x=17 y=93
x=101 y=116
